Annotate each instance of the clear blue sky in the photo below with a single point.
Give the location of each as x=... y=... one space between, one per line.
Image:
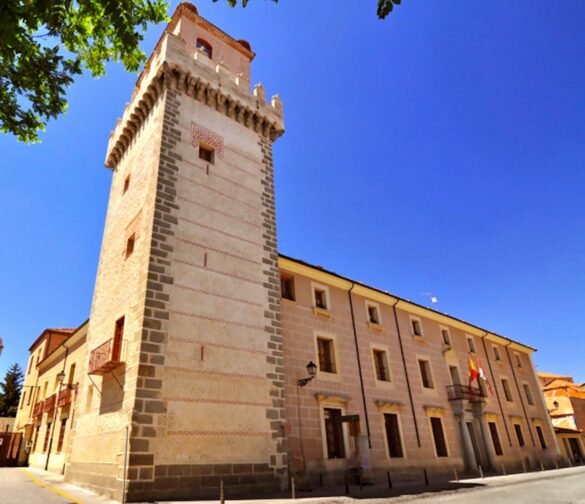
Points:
x=441 y=150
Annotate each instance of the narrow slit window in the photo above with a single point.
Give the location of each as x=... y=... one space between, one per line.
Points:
x=126 y=184
x=130 y=245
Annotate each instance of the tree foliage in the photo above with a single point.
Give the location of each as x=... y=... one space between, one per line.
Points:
x=44 y=44
x=385 y=7
x=10 y=390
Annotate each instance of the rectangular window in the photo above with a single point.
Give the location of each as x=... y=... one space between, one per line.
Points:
x=320 y=298
x=36 y=438
x=497 y=354
x=541 y=437
x=393 y=435
x=425 y=373
x=326 y=355
x=518 y=360
x=470 y=344
x=455 y=378
x=118 y=337
x=207 y=154
x=495 y=438
x=446 y=336
x=334 y=433
x=528 y=394
x=519 y=434
x=507 y=391
x=61 y=435
x=287 y=287
x=126 y=184
x=381 y=365
x=416 y=327
x=373 y=314
x=439 y=437
x=130 y=245
x=22 y=400
x=71 y=374
x=47 y=436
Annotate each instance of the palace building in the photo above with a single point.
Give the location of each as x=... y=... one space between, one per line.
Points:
x=208 y=357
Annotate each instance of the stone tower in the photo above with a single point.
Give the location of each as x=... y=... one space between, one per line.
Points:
x=184 y=336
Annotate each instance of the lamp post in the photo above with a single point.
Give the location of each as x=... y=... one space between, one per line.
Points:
x=312 y=372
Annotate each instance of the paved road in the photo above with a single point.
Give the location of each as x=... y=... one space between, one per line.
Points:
x=33 y=486
x=561 y=488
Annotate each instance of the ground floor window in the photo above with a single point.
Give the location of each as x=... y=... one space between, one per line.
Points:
x=393 y=435
x=495 y=438
x=439 y=437
x=47 y=435
x=334 y=433
x=519 y=434
x=61 y=435
x=36 y=438
x=541 y=437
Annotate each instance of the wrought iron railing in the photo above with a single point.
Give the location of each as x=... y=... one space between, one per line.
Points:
x=465 y=393
x=64 y=398
x=49 y=404
x=104 y=358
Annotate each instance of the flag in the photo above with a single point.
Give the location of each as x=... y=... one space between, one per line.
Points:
x=483 y=376
x=473 y=373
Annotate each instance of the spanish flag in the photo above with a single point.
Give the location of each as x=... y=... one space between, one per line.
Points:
x=473 y=372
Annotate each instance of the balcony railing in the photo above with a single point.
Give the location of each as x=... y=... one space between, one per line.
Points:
x=38 y=409
x=104 y=358
x=465 y=393
x=49 y=404
x=64 y=398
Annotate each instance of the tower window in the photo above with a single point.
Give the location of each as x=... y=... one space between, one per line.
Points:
x=204 y=47
x=130 y=245
x=126 y=184
x=207 y=153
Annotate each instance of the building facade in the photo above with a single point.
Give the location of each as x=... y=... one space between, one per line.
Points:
x=200 y=334
x=565 y=401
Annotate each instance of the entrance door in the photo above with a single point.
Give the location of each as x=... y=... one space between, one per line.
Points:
x=475 y=443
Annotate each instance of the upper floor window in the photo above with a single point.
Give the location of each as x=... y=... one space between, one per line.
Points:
x=507 y=391
x=381 y=365
x=426 y=374
x=497 y=354
x=207 y=153
x=326 y=352
x=287 y=287
x=470 y=344
x=446 y=336
x=320 y=296
x=373 y=314
x=518 y=360
x=204 y=47
x=416 y=326
x=126 y=184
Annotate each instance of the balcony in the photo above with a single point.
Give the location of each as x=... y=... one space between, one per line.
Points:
x=38 y=409
x=104 y=358
x=64 y=398
x=49 y=404
x=464 y=393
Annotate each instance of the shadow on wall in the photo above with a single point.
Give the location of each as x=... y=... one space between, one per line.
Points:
x=112 y=396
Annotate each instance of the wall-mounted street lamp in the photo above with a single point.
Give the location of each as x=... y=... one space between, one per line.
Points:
x=312 y=370
x=61 y=379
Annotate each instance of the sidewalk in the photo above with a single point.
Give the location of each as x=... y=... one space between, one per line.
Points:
x=369 y=495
